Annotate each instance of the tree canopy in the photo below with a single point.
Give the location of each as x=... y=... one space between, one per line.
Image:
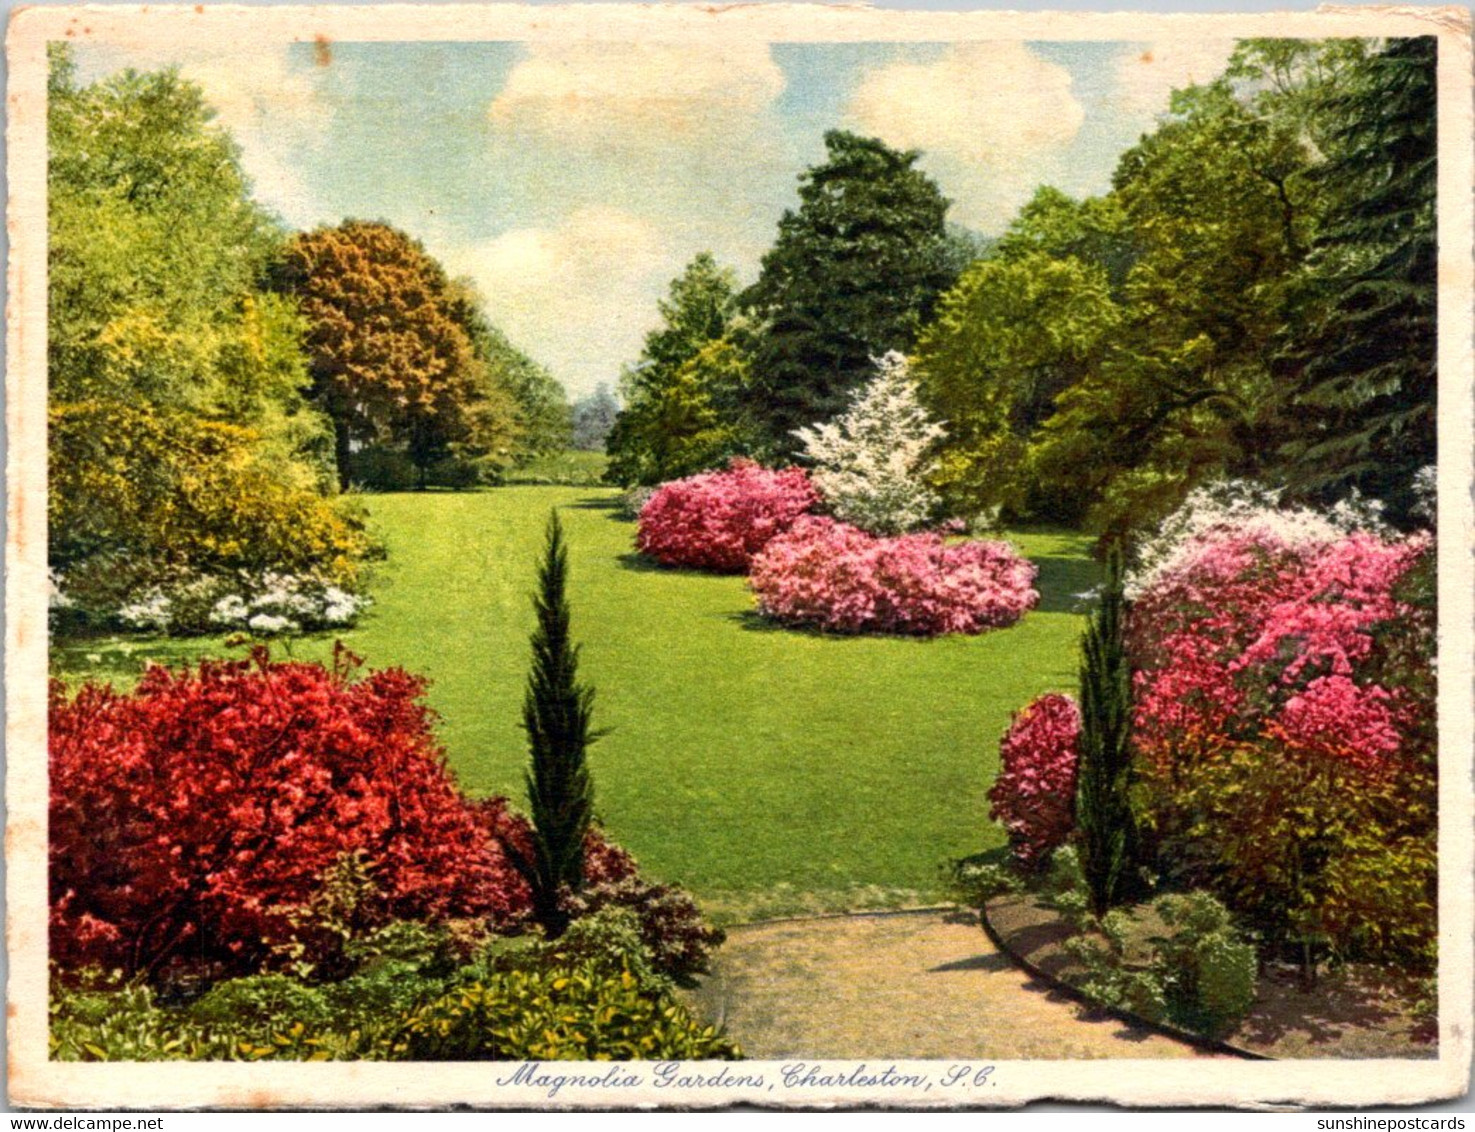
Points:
x=390 y=363
x=1362 y=361
x=854 y=273
x=682 y=411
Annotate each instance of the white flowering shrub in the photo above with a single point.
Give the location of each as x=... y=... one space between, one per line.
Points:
x=870 y=464
x=264 y=605
x=1251 y=512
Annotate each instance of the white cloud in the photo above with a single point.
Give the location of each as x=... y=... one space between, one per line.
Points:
x=1147 y=73
x=637 y=93
x=987 y=103
x=987 y=116
x=573 y=294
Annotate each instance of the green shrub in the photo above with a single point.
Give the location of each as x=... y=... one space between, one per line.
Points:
x=973 y=883
x=260 y=1002
x=578 y=1011
x=1210 y=972
x=1201 y=975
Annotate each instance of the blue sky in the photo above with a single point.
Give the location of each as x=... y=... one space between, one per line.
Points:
x=572 y=182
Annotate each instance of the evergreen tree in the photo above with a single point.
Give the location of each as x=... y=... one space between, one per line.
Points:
x=1103 y=807
x=1364 y=366
x=853 y=274
x=557 y=712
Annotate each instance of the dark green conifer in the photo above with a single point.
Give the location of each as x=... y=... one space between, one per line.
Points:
x=1103 y=805
x=557 y=713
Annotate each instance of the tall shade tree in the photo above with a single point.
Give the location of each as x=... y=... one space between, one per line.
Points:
x=1009 y=338
x=557 y=714
x=1363 y=363
x=155 y=249
x=541 y=415
x=854 y=273
x=179 y=437
x=681 y=411
x=389 y=362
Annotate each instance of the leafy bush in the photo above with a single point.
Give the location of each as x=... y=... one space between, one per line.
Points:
x=175 y=491
x=1285 y=726
x=671 y=927
x=578 y=1011
x=837 y=577
x=634 y=499
x=180 y=602
x=259 y=1001
x=1201 y=975
x=870 y=463
x=1034 y=794
x=1209 y=971
x=973 y=883
x=201 y=815
x=720 y=520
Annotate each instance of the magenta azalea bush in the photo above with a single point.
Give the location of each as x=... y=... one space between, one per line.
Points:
x=834 y=576
x=1034 y=795
x=1285 y=730
x=719 y=520
x=1252 y=636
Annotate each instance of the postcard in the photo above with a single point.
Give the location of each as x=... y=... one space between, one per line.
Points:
x=640 y=556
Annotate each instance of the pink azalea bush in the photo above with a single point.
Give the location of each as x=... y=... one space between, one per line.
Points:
x=1248 y=635
x=1284 y=725
x=719 y=520
x=834 y=576
x=1034 y=795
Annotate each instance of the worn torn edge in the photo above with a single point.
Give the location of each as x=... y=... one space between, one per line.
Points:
x=37 y=1082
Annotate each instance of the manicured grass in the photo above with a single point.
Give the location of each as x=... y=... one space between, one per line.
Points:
x=767 y=769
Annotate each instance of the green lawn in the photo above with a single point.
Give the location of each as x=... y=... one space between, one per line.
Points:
x=766 y=769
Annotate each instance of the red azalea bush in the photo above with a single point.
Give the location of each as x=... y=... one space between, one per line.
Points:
x=1285 y=727
x=1034 y=795
x=197 y=817
x=719 y=520
x=837 y=577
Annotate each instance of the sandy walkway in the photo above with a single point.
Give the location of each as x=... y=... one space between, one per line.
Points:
x=905 y=986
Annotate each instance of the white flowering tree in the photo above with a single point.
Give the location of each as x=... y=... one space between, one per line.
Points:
x=870 y=464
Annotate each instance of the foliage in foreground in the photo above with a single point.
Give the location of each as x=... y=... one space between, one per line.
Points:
x=1033 y=796
x=1104 y=770
x=412 y=993
x=1285 y=728
x=202 y=817
x=1198 y=971
x=837 y=577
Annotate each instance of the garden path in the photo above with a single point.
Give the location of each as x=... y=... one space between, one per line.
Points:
x=924 y=985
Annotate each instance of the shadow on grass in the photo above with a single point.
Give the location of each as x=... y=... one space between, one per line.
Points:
x=754 y=622
x=993 y=961
x=640 y=564
x=607 y=503
x=1066 y=584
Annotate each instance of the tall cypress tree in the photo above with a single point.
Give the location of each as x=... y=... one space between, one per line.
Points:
x=557 y=713
x=1103 y=807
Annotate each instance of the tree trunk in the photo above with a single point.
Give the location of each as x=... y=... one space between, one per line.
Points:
x=342 y=453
